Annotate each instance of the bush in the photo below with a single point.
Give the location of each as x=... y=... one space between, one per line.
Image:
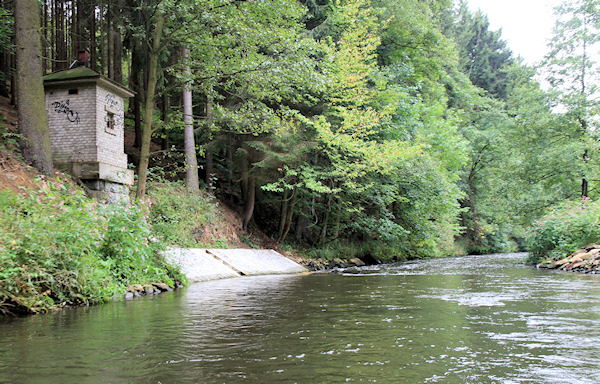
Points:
x=566 y=228
x=181 y=218
x=59 y=247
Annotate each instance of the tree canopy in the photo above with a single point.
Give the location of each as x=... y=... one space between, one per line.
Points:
x=400 y=128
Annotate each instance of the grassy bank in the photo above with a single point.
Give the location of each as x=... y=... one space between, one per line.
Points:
x=565 y=229
x=60 y=248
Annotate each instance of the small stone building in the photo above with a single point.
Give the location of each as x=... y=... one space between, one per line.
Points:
x=86 y=121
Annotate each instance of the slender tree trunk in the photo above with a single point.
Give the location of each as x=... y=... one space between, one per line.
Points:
x=166 y=107
x=147 y=127
x=136 y=82
x=323 y=235
x=250 y=199
x=337 y=225
x=283 y=215
x=53 y=55
x=244 y=179
x=93 y=43
x=33 y=121
x=191 y=162
x=210 y=166
x=102 y=45
x=109 y=41
x=290 y=214
x=13 y=80
x=118 y=56
x=45 y=50
x=229 y=163
x=301 y=224
x=118 y=43
x=61 y=37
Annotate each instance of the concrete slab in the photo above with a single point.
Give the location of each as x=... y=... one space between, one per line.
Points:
x=198 y=265
x=257 y=261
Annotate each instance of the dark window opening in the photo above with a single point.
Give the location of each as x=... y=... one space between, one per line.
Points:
x=110 y=122
x=73 y=91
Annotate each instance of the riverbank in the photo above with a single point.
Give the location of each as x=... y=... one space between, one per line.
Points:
x=585 y=260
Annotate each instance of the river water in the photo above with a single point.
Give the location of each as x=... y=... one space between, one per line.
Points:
x=476 y=319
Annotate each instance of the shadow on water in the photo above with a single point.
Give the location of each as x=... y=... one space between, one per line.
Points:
x=478 y=319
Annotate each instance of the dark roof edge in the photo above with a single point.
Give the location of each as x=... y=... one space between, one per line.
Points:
x=88 y=76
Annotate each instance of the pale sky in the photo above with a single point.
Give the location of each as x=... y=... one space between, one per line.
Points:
x=526 y=24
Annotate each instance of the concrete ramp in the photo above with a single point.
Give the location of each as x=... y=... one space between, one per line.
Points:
x=213 y=264
x=257 y=261
x=198 y=265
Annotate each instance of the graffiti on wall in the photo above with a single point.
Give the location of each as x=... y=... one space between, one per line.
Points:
x=63 y=107
x=113 y=103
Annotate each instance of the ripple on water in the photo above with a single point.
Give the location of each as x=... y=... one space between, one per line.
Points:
x=479 y=319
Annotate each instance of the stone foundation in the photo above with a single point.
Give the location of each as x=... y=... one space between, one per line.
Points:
x=108 y=191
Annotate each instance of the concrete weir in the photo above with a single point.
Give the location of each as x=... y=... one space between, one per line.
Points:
x=212 y=264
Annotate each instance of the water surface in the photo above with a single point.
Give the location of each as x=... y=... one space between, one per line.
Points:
x=477 y=319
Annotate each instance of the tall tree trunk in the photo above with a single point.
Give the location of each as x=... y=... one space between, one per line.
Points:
x=250 y=199
x=584 y=181
x=46 y=28
x=301 y=225
x=164 y=113
x=210 y=167
x=53 y=28
x=118 y=41
x=290 y=214
x=191 y=162
x=323 y=234
x=109 y=41
x=93 y=42
x=33 y=121
x=283 y=213
x=136 y=85
x=61 y=43
x=147 y=126
x=118 y=55
x=102 y=45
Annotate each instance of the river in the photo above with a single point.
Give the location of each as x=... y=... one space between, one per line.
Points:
x=475 y=319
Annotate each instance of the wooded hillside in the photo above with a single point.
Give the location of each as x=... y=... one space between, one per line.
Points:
x=401 y=127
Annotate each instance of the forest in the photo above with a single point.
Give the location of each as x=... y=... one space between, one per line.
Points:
x=399 y=127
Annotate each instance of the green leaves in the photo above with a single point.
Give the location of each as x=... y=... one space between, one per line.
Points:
x=58 y=247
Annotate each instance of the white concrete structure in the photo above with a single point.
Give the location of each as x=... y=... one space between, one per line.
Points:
x=212 y=264
x=86 y=120
x=257 y=261
x=198 y=265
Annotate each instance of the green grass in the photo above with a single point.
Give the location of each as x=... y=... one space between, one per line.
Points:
x=61 y=248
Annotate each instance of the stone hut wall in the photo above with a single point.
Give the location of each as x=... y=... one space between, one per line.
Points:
x=72 y=122
x=110 y=128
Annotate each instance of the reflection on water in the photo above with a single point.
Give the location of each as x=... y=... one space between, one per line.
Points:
x=478 y=319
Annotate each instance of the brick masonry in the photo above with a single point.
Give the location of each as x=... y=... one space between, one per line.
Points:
x=86 y=124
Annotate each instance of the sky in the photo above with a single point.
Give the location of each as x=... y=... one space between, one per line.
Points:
x=526 y=24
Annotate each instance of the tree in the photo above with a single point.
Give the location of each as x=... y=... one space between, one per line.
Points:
x=484 y=56
x=154 y=52
x=33 y=121
x=191 y=162
x=572 y=71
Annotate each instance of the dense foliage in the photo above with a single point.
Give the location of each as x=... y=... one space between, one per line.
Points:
x=59 y=247
x=180 y=218
x=564 y=229
x=396 y=128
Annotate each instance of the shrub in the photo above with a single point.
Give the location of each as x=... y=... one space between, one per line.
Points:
x=179 y=217
x=566 y=228
x=59 y=247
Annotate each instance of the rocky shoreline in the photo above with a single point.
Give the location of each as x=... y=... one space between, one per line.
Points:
x=325 y=265
x=585 y=260
x=137 y=290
